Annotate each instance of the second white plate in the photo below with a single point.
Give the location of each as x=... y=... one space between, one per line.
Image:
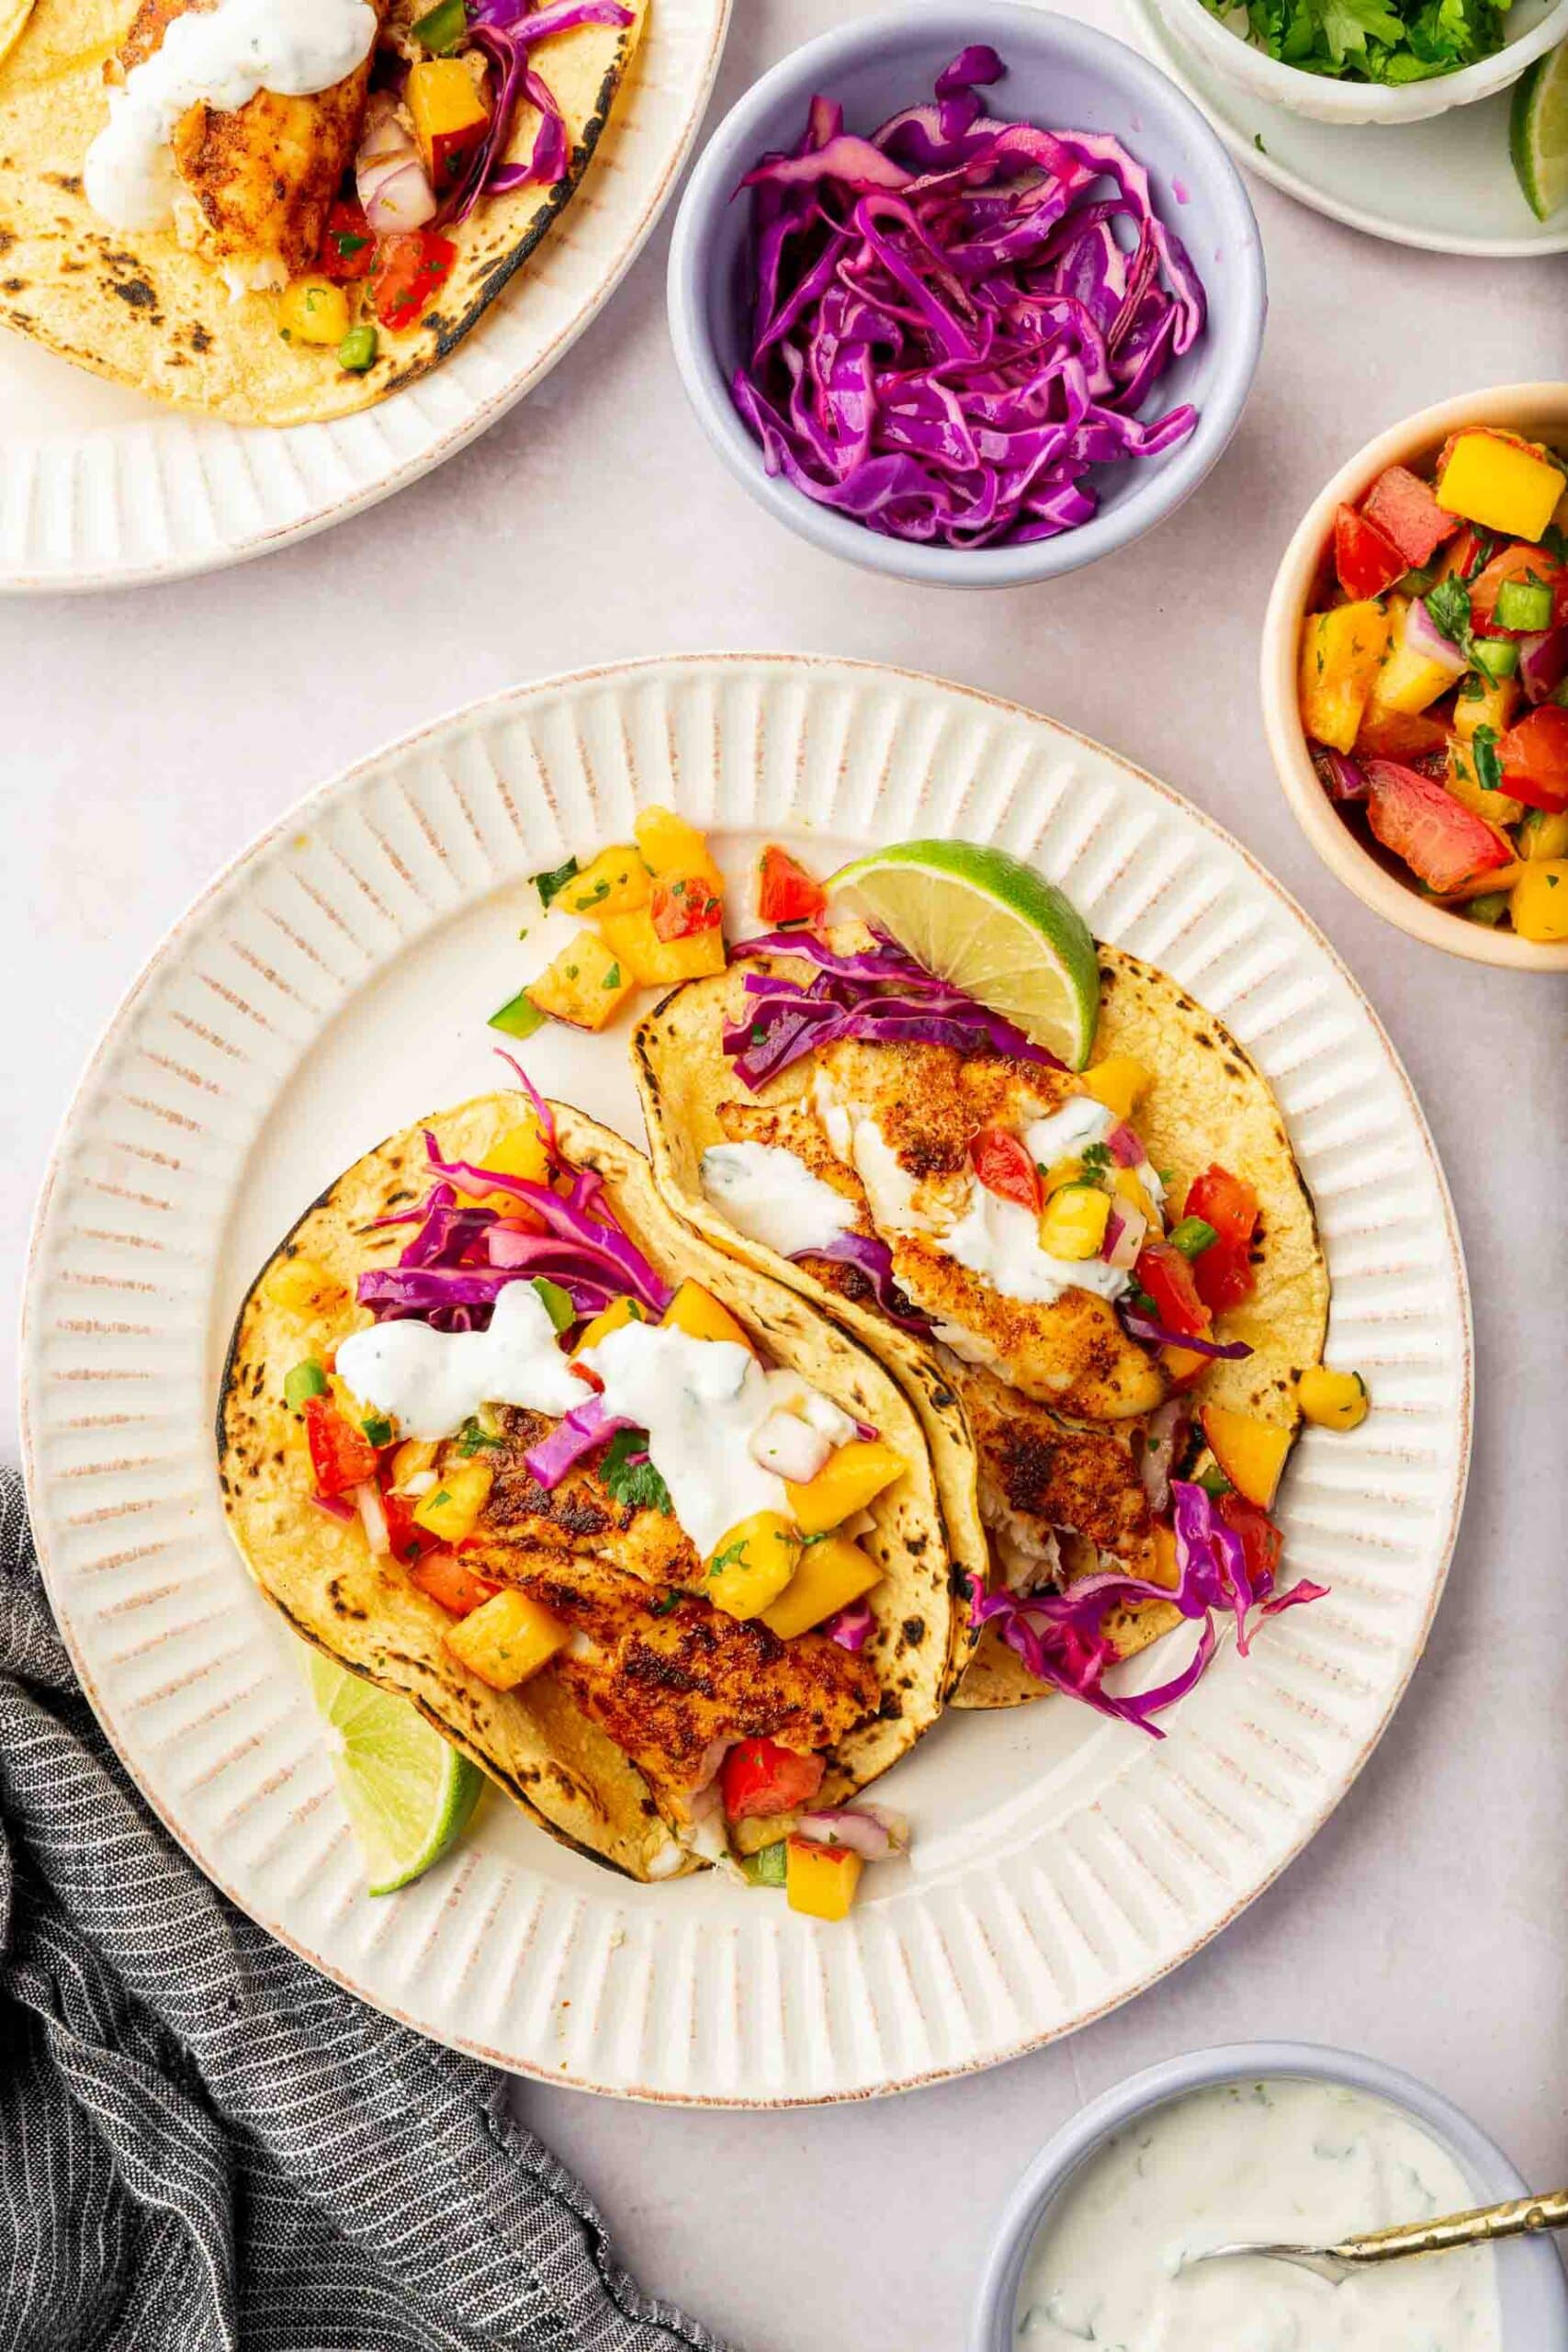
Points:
x=103 y=488
x=334 y=986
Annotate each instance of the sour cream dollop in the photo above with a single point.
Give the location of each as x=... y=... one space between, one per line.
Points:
x=769 y=1193
x=430 y=1382
x=1298 y=2163
x=221 y=57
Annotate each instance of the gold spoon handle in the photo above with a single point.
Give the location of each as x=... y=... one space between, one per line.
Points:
x=1520 y=2217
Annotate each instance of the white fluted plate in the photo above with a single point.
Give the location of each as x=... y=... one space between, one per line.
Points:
x=334 y=985
x=101 y=487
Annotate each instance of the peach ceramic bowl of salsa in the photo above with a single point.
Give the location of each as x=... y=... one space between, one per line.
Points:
x=1415 y=676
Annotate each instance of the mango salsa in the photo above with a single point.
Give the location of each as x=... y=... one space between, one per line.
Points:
x=696 y=1312
x=1539 y=900
x=506 y=1639
x=615 y=883
x=1340 y=653
x=1407 y=680
x=450 y=117
x=620 y=1311
x=821 y=1880
x=1251 y=1452
x=1119 y=1082
x=312 y=310
x=450 y=1510
x=301 y=1287
x=831 y=1574
x=1500 y=482
x=1493 y=704
x=846 y=1483
x=587 y=983
x=750 y=1565
x=1074 y=1220
x=656 y=963
x=672 y=846
x=1332 y=1400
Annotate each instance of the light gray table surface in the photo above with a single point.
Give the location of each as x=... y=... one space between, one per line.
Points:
x=147 y=737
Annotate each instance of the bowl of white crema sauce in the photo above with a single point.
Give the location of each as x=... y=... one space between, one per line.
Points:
x=1261 y=2141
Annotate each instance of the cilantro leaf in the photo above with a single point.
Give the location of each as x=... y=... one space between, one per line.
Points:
x=551 y=885
x=474 y=1438
x=1488 y=765
x=1448 y=605
x=636 y=1485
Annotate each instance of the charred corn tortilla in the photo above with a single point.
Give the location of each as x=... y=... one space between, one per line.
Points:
x=362 y=1610
x=140 y=309
x=1208 y=1103
x=13 y=15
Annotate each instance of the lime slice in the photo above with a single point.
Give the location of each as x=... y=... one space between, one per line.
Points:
x=1538 y=132
x=988 y=924
x=408 y=1795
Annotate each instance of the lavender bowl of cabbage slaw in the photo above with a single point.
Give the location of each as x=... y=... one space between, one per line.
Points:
x=958 y=421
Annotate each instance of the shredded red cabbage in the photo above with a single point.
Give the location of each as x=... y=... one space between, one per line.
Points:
x=1060 y=1638
x=851 y=1626
x=585 y=1427
x=871 y=1254
x=947 y=330
x=1157 y=1335
x=879 y=993
x=504 y=32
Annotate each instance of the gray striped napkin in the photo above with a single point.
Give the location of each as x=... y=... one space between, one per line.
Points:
x=204 y=2146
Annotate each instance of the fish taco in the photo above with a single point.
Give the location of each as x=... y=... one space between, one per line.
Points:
x=1117 y=1271
x=281 y=211
x=641 y=1532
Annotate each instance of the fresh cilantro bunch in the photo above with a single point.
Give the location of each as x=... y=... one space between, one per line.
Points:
x=1373 y=41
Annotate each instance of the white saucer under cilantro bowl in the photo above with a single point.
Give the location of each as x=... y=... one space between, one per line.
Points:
x=1446 y=185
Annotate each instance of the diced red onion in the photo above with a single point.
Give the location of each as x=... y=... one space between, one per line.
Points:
x=372 y=1516
x=392 y=184
x=336 y=1506
x=1126 y=1230
x=1423 y=636
x=851 y=1626
x=1543 y=662
x=1341 y=778
x=868 y=1830
x=790 y=1447
x=577 y=1434
x=1125 y=1146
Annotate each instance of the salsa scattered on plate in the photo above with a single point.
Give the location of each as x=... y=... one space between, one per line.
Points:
x=1433 y=677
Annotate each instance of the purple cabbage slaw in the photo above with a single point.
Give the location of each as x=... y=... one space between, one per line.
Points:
x=1059 y=1636
x=504 y=32
x=947 y=332
x=879 y=993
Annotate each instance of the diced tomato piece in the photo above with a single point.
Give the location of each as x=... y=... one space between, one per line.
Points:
x=1403 y=506
x=1534 y=759
x=410 y=268
x=1409 y=735
x=1223 y=1272
x=785 y=892
x=341 y=1455
x=684 y=904
x=1443 y=842
x=408 y=1540
x=1168 y=1277
x=443 y=1576
x=1520 y=561
x=1003 y=1165
x=348 y=244
x=1261 y=1542
x=760 y=1778
x=1365 y=558
x=588 y=1377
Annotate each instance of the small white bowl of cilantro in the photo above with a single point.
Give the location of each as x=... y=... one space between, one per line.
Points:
x=1369 y=61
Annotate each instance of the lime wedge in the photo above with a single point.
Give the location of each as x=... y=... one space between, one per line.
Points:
x=1538 y=132
x=408 y=1794
x=988 y=924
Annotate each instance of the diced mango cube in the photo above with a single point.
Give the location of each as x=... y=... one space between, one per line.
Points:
x=1119 y=1082
x=450 y=117
x=1073 y=1226
x=1061 y=1172
x=1340 y=653
x=1464 y=782
x=585 y=985
x=1251 y=1452
x=1539 y=900
x=301 y=1287
x=1546 y=836
x=831 y=1574
x=615 y=883
x=506 y=1639
x=312 y=310
x=1407 y=680
x=750 y=1565
x=658 y=963
x=1331 y=1400
x=451 y=1510
x=1492 y=705
x=1500 y=482
x=696 y=1312
x=847 y=1482
x=671 y=845
x=1127 y=1186
x=619 y=1312
x=414 y=1455
x=821 y=1880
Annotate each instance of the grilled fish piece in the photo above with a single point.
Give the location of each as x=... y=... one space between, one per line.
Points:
x=674 y=1689
x=1043 y=1478
x=258 y=183
x=581 y=1515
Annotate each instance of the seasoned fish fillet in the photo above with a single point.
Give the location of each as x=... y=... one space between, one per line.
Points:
x=929 y=1102
x=674 y=1689
x=261 y=179
x=1041 y=1477
x=581 y=1515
